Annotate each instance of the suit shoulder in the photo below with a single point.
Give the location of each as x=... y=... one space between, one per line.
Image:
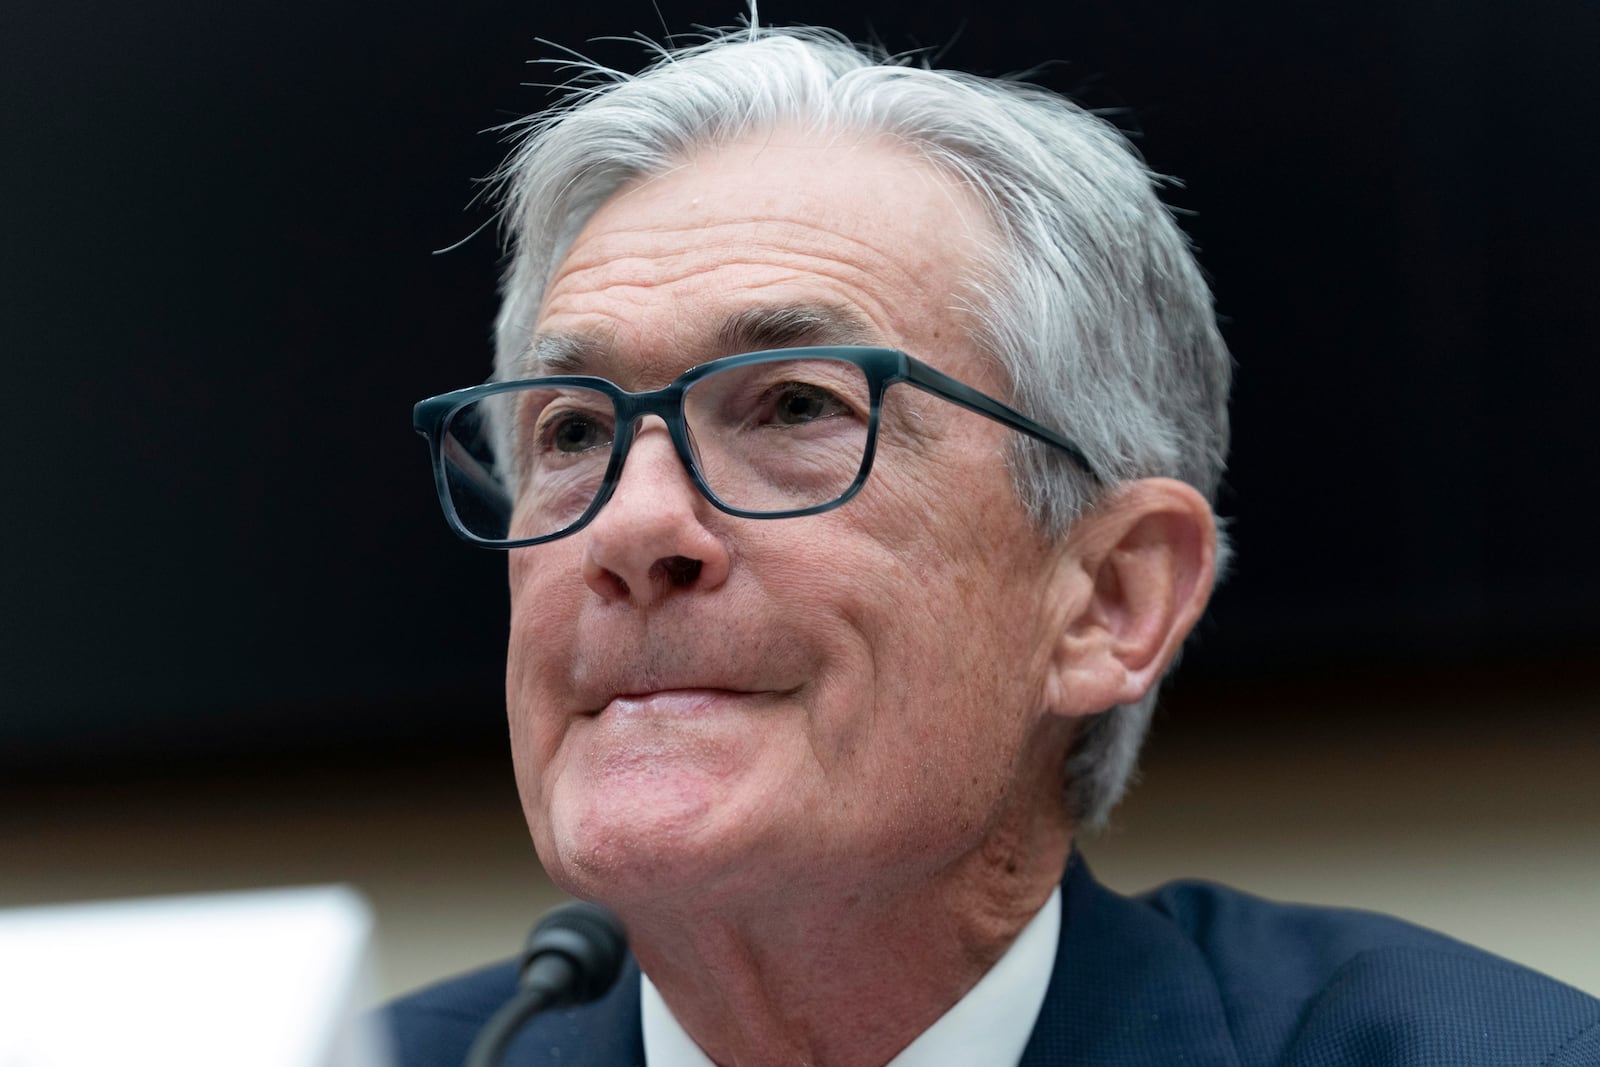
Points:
x=1293 y=940
x=1449 y=1004
x=1306 y=985
x=435 y=1026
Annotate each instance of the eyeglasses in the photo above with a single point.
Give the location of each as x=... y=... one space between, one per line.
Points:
x=766 y=435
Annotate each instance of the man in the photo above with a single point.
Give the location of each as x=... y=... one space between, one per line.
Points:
x=823 y=650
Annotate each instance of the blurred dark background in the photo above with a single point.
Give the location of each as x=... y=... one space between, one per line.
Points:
x=219 y=298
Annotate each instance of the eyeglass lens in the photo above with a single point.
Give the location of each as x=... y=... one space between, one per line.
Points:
x=783 y=435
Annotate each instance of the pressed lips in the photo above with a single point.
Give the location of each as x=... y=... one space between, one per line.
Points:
x=680 y=702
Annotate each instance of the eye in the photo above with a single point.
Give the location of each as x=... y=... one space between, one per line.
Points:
x=798 y=403
x=570 y=432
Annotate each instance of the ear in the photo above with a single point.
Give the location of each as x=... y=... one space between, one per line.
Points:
x=1134 y=576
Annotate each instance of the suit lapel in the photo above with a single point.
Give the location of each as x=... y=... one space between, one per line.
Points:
x=1128 y=989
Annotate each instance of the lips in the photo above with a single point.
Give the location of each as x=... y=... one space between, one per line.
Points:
x=690 y=667
x=679 y=702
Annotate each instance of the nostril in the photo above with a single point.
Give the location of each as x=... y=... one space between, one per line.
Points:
x=679 y=571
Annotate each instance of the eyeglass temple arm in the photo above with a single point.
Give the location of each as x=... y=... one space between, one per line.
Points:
x=925 y=377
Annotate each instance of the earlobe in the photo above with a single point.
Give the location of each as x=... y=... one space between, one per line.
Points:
x=1135 y=576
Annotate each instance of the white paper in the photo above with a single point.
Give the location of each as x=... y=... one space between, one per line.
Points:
x=271 y=978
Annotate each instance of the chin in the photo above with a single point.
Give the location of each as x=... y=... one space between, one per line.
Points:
x=644 y=842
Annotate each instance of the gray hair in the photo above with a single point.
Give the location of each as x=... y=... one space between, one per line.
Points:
x=1092 y=303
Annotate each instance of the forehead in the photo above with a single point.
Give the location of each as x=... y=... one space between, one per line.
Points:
x=878 y=242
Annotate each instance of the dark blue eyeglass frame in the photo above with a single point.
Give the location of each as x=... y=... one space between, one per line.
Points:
x=882 y=367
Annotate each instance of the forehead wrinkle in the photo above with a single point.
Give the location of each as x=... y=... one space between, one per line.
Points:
x=615 y=251
x=622 y=266
x=851 y=291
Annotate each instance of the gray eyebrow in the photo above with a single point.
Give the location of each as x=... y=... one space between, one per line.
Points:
x=792 y=325
x=562 y=353
x=750 y=330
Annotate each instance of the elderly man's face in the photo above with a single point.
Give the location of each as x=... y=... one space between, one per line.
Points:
x=851 y=699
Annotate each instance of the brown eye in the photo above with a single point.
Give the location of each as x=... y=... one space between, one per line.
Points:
x=796 y=403
x=577 y=435
x=571 y=431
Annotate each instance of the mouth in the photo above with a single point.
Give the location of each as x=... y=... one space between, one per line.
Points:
x=683 y=703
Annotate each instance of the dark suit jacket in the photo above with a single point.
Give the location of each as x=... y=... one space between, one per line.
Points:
x=1191 y=974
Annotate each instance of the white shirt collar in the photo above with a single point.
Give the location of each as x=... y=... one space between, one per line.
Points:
x=991 y=1024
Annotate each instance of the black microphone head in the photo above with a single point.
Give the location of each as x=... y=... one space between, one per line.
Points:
x=588 y=938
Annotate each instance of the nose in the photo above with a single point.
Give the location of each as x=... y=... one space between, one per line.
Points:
x=649 y=541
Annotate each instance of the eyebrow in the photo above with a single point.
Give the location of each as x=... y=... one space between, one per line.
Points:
x=562 y=353
x=750 y=330
x=792 y=325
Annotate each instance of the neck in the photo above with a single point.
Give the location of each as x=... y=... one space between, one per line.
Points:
x=846 y=978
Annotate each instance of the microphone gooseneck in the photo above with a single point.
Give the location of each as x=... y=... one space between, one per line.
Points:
x=572 y=956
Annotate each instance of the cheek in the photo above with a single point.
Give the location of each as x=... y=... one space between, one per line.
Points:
x=541 y=645
x=941 y=614
x=954 y=614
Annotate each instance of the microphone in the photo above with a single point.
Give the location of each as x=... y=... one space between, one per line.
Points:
x=573 y=956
